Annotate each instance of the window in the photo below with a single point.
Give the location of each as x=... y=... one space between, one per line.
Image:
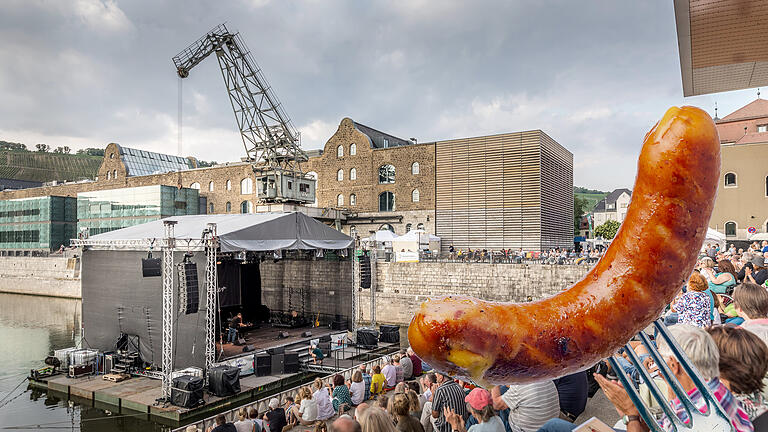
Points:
x=386 y=174
x=229 y=184
x=352 y=149
x=415 y=168
x=210 y=187
x=303 y=188
x=353 y=200
x=353 y=174
x=109 y=175
x=623 y=205
x=339 y=200
x=420 y=227
x=415 y=195
x=730 y=228
x=111 y=155
x=766 y=189
x=246 y=186
x=408 y=228
x=386 y=201
x=386 y=227
x=730 y=179
x=210 y=208
x=340 y=151
x=114 y=174
x=290 y=185
x=762 y=128
x=353 y=231
x=228 y=206
x=340 y=175
x=246 y=207
x=195 y=185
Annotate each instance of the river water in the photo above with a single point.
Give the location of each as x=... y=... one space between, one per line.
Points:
x=30 y=329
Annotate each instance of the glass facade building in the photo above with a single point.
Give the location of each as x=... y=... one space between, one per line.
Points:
x=108 y=210
x=37 y=224
x=142 y=162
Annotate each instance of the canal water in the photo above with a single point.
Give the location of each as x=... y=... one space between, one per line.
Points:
x=30 y=329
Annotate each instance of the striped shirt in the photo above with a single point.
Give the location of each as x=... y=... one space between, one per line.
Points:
x=451 y=395
x=531 y=405
x=739 y=418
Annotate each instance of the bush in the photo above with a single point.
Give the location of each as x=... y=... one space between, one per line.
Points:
x=607 y=230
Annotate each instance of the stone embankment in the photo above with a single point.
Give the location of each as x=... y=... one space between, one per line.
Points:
x=51 y=276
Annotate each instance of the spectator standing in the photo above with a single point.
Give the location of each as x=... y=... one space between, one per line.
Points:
x=390 y=373
x=407 y=365
x=530 y=405
x=275 y=417
x=341 y=394
x=378 y=382
x=448 y=394
x=357 y=388
x=323 y=399
x=743 y=365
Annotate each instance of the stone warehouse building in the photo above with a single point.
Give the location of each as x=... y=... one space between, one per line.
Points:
x=512 y=190
x=509 y=190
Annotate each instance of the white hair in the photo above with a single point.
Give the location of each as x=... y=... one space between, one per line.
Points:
x=698 y=345
x=274 y=403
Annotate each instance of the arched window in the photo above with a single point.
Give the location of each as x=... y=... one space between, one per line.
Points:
x=210 y=208
x=420 y=226
x=339 y=200
x=109 y=175
x=386 y=174
x=246 y=186
x=353 y=231
x=229 y=184
x=415 y=168
x=114 y=174
x=340 y=151
x=387 y=227
x=210 y=187
x=228 y=206
x=246 y=207
x=353 y=174
x=408 y=227
x=730 y=228
x=353 y=200
x=352 y=149
x=340 y=175
x=195 y=185
x=111 y=155
x=415 y=195
x=730 y=179
x=386 y=201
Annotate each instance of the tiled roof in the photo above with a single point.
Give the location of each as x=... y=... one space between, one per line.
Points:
x=755 y=109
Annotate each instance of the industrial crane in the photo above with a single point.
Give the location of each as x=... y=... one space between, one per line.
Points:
x=271 y=143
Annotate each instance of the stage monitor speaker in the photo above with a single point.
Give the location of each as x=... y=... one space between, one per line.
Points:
x=248 y=348
x=291 y=363
x=191 y=286
x=283 y=335
x=367 y=338
x=339 y=325
x=263 y=364
x=276 y=350
x=151 y=267
x=389 y=333
x=325 y=338
x=224 y=380
x=306 y=334
x=278 y=361
x=187 y=391
x=240 y=341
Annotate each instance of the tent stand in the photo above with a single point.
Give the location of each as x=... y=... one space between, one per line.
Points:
x=167 y=348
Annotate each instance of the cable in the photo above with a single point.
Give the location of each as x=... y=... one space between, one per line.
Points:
x=3 y=401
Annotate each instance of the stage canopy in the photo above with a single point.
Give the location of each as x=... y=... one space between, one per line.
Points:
x=238 y=232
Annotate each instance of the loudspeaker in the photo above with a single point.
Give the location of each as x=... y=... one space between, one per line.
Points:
x=240 y=341
x=189 y=283
x=325 y=338
x=365 y=272
x=277 y=363
x=291 y=363
x=248 y=348
x=224 y=380
x=283 y=335
x=339 y=325
x=389 y=333
x=151 y=267
x=306 y=334
x=263 y=365
x=187 y=391
x=276 y=350
x=367 y=338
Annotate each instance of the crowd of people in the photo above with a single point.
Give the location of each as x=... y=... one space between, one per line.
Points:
x=551 y=256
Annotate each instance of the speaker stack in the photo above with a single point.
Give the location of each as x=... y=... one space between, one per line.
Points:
x=188 y=281
x=367 y=338
x=263 y=365
x=389 y=333
x=291 y=363
x=224 y=380
x=187 y=391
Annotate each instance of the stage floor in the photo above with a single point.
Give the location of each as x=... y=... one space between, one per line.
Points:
x=267 y=337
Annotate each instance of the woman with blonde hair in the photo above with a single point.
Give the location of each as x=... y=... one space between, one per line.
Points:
x=323 y=398
x=306 y=413
x=376 y=420
x=357 y=388
x=243 y=424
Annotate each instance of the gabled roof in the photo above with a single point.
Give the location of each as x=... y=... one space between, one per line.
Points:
x=380 y=139
x=141 y=162
x=755 y=109
x=610 y=199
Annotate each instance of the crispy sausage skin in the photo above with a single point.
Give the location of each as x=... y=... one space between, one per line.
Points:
x=648 y=261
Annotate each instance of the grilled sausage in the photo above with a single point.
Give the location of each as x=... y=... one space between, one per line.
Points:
x=650 y=258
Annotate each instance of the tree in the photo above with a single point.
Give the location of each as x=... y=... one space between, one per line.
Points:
x=579 y=209
x=90 y=151
x=62 y=150
x=607 y=230
x=6 y=145
x=205 y=164
x=42 y=147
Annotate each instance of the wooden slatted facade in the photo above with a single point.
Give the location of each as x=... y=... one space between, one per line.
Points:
x=504 y=191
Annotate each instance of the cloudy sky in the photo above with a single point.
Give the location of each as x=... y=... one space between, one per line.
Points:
x=593 y=75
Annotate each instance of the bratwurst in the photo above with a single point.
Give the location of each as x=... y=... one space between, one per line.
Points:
x=648 y=261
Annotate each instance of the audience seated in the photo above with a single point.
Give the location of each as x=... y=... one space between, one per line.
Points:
x=401 y=408
x=346 y=423
x=342 y=400
x=322 y=397
x=447 y=394
x=480 y=405
x=357 y=388
x=407 y=364
x=694 y=306
x=751 y=303
x=378 y=382
x=275 y=417
x=530 y=405
x=375 y=419
x=390 y=373
x=572 y=393
x=306 y=411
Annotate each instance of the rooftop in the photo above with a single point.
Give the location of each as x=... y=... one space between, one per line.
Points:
x=610 y=199
x=380 y=139
x=141 y=162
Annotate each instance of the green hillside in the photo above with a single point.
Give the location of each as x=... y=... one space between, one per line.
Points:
x=591 y=198
x=45 y=166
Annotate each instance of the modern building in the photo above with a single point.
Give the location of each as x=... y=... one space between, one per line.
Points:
x=613 y=207
x=741 y=208
x=40 y=224
x=511 y=190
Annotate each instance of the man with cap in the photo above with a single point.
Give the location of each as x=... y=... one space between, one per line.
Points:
x=758 y=273
x=480 y=405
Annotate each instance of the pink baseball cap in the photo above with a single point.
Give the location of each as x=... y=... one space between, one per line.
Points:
x=478 y=398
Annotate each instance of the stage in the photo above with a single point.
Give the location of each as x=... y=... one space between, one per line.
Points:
x=267 y=336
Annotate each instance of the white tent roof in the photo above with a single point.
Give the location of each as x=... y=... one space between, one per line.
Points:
x=242 y=232
x=383 y=236
x=714 y=236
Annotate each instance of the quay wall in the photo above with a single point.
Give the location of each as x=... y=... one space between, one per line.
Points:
x=402 y=287
x=45 y=276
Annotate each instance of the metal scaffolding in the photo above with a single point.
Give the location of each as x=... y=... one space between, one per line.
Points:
x=167 y=346
x=211 y=291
